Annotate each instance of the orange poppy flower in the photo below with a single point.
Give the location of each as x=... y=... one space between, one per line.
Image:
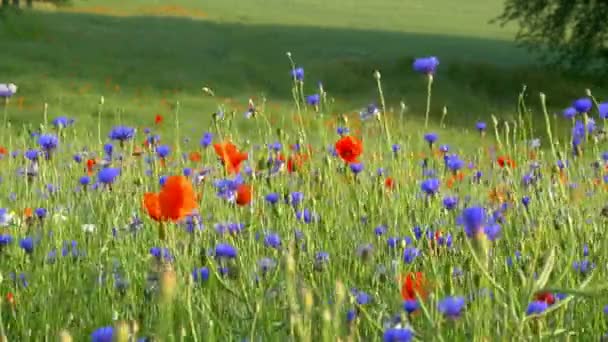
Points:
x=28 y=212
x=504 y=161
x=230 y=156
x=414 y=285
x=195 y=157
x=175 y=201
x=349 y=148
x=295 y=162
x=3 y=151
x=243 y=194
x=158 y=119
x=152 y=205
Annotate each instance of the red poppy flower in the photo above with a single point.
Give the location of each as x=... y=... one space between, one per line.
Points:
x=243 y=194
x=546 y=297
x=158 y=119
x=505 y=161
x=90 y=164
x=3 y=151
x=389 y=183
x=175 y=201
x=349 y=148
x=414 y=286
x=230 y=156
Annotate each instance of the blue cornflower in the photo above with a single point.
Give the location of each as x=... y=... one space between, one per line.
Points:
x=62 y=122
x=605 y=156
x=606 y=310
x=409 y=254
x=84 y=180
x=272 y=198
x=537 y=307
x=108 y=149
x=583 y=266
x=410 y=305
x=444 y=148
x=163 y=254
x=77 y=158
x=481 y=126
x=342 y=130
x=313 y=99
x=454 y=163
x=322 y=257
x=398 y=335
x=356 y=168
x=48 y=142
x=426 y=65
x=361 y=297
x=27 y=244
x=307 y=216
x=295 y=198
x=298 y=74
x=272 y=240
x=224 y=250
x=430 y=186
x=351 y=315
x=163 y=151
x=525 y=201
x=162 y=180
x=275 y=146
x=569 y=113
x=473 y=219
x=603 y=109
x=207 y=139
x=40 y=213
x=5 y=240
x=108 y=175
x=200 y=274
x=492 y=231
x=450 y=203
x=380 y=230
x=451 y=307
x=226 y=188
x=431 y=138
x=104 y=334
x=585 y=250
x=583 y=105
x=122 y=133
x=187 y=171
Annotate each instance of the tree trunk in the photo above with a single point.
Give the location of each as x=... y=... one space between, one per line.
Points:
x=30 y=3
x=5 y=3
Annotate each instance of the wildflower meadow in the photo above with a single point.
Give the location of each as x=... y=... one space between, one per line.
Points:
x=304 y=222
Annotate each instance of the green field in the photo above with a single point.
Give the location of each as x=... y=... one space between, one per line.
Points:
x=238 y=49
x=77 y=257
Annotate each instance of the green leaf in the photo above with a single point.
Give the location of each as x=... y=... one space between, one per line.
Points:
x=543 y=278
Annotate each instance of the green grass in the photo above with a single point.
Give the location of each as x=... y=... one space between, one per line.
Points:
x=239 y=51
x=144 y=65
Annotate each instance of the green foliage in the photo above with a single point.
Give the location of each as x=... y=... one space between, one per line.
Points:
x=571 y=33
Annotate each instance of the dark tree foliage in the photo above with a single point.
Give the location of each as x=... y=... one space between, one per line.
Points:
x=572 y=33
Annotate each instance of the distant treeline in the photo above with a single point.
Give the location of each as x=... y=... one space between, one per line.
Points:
x=29 y=3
